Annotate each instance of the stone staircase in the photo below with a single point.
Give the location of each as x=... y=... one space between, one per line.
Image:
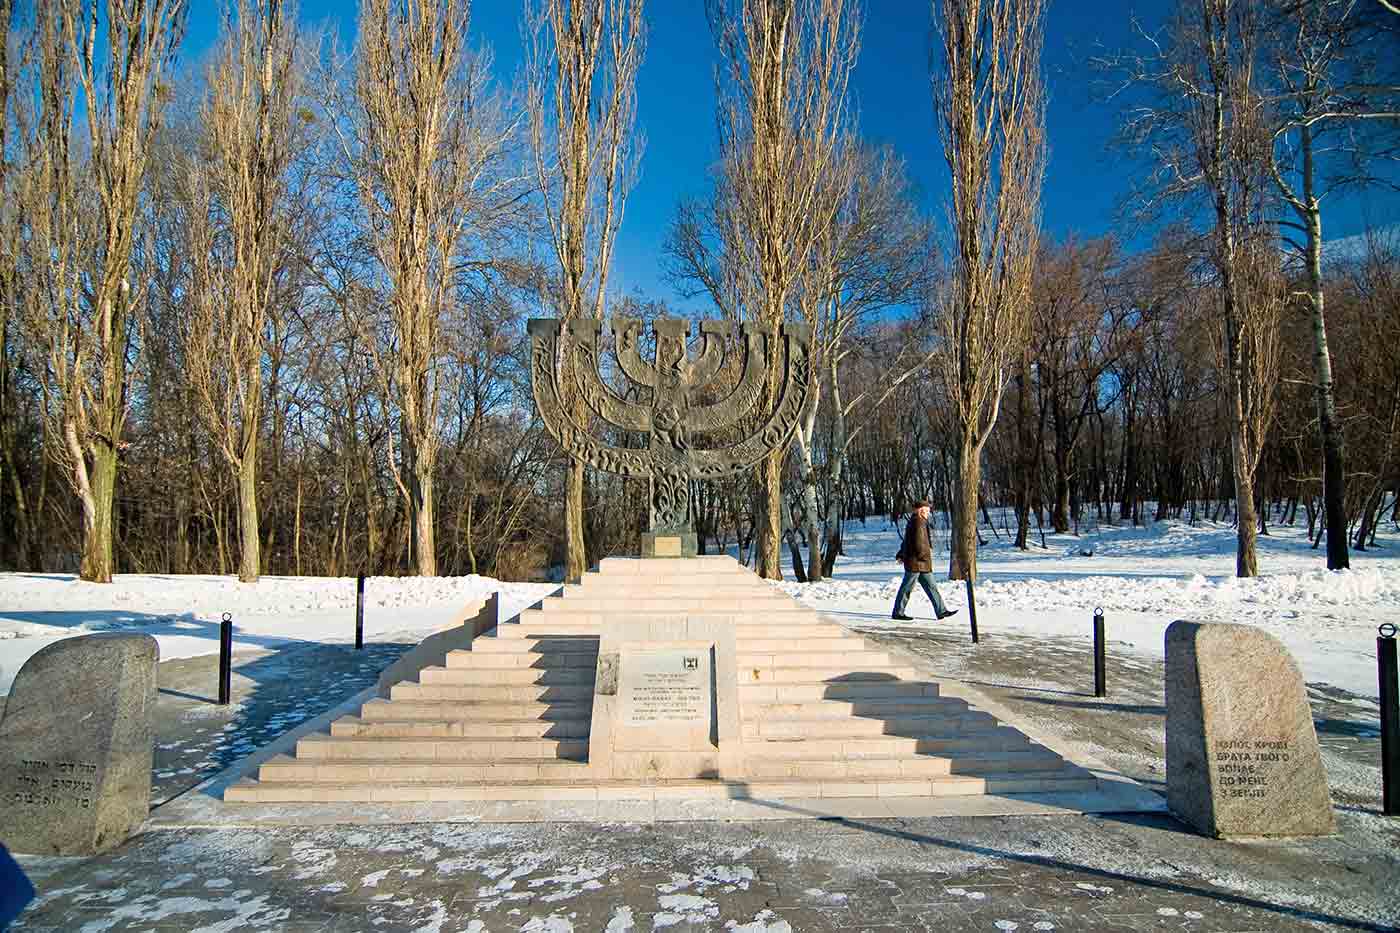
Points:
x=822 y=713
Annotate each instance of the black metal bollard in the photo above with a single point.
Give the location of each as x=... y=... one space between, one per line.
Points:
x=1100 y=690
x=225 y=658
x=971 y=608
x=359 y=612
x=1390 y=721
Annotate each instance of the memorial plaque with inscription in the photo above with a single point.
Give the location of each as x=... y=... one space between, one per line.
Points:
x=659 y=688
x=76 y=745
x=1242 y=755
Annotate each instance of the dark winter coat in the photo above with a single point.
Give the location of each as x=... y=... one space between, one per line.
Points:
x=916 y=551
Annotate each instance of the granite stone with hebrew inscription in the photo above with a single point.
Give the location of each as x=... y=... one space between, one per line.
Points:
x=76 y=745
x=1242 y=754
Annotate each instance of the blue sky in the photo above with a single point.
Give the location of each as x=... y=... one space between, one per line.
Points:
x=1085 y=181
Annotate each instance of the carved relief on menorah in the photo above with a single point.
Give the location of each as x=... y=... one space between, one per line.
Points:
x=565 y=365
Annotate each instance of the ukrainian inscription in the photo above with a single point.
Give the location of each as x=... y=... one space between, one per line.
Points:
x=1245 y=768
x=666 y=687
x=1242 y=755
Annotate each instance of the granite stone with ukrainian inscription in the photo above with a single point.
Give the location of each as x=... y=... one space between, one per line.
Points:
x=1242 y=754
x=76 y=745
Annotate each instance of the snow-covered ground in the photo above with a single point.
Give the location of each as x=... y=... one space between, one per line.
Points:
x=183 y=612
x=1143 y=579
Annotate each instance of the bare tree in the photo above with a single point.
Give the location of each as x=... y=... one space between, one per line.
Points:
x=989 y=103
x=583 y=61
x=782 y=111
x=427 y=141
x=1204 y=131
x=83 y=307
x=872 y=255
x=1331 y=95
x=252 y=132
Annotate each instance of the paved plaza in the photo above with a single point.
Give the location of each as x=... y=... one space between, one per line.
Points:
x=789 y=871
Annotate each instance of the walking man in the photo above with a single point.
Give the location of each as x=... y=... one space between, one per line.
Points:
x=916 y=552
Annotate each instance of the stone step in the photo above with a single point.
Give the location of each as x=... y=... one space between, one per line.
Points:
x=400 y=791
x=798 y=656
x=517 y=660
x=353 y=727
x=644 y=604
x=856 y=690
x=496 y=693
x=576 y=644
x=823 y=644
x=872 y=708
x=472 y=748
x=506 y=676
x=746 y=630
x=890 y=769
x=285 y=769
x=474 y=710
x=888 y=672
x=857 y=726
x=886 y=746
x=798 y=625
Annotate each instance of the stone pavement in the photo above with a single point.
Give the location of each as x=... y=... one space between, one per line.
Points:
x=905 y=873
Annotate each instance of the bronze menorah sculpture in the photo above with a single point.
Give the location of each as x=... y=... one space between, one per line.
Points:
x=674 y=419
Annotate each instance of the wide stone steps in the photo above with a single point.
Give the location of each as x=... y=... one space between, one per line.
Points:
x=789 y=674
x=498 y=660
x=442 y=749
x=894 y=769
x=472 y=710
x=822 y=712
x=854 y=726
x=885 y=746
x=331 y=771
x=565 y=644
x=870 y=707
x=859 y=658
x=816 y=643
x=449 y=790
x=506 y=676
x=629 y=604
x=769 y=693
x=354 y=726
x=523 y=693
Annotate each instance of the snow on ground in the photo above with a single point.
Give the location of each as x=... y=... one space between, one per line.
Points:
x=1143 y=578
x=183 y=612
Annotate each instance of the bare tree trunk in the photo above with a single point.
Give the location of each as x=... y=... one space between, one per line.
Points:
x=424 y=541
x=250 y=554
x=962 y=561
x=1333 y=444
x=768 y=520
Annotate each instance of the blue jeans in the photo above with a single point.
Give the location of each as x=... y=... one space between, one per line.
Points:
x=906 y=587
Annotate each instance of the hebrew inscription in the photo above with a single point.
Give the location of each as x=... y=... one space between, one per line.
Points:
x=666 y=687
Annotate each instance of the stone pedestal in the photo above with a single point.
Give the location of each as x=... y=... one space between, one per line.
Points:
x=76 y=745
x=666 y=702
x=1242 y=755
x=669 y=544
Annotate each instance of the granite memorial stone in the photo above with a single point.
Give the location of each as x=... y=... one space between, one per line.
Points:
x=76 y=745
x=1242 y=754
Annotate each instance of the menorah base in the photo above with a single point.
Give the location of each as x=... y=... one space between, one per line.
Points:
x=669 y=544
